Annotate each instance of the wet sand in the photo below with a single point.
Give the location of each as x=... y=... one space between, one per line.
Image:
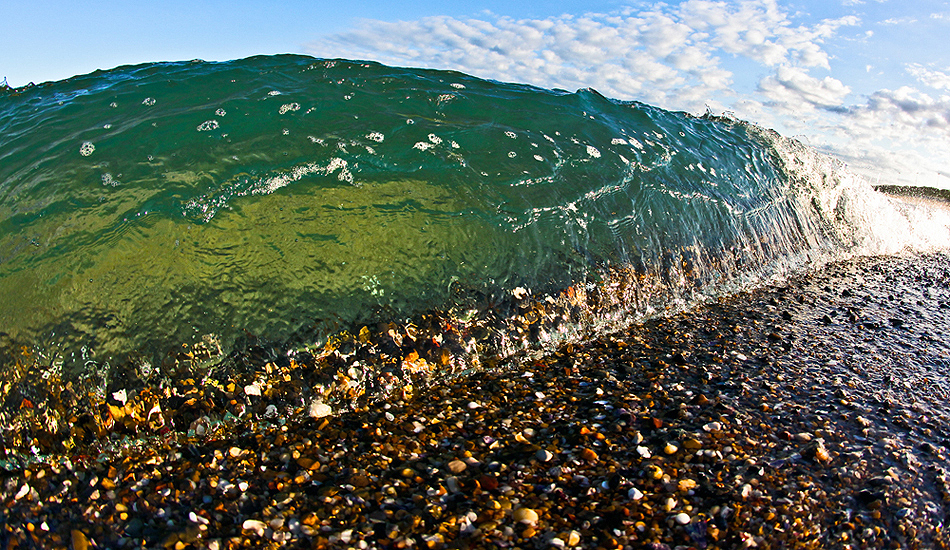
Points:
x=812 y=414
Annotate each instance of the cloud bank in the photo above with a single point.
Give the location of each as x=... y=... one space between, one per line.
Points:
x=746 y=57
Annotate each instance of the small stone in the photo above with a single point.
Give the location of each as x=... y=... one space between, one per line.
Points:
x=235 y=452
x=713 y=427
x=573 y=538
x=685 y=485
x=452 y=484
x=681 y=518
x=525 y=515
x=457 y=466
x=692 y=444
x=589 y=455
x=319 y=409
x=654 y=471
x=544 y=455
x=79 y=539
x=643 y=451
x=670 y=449
x=254 y=525
x=252 y=389
x=816 y=451
x=634 y=494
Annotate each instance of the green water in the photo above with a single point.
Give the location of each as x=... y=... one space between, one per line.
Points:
x=287 y=197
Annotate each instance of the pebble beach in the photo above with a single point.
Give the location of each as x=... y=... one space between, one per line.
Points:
x=813 y=413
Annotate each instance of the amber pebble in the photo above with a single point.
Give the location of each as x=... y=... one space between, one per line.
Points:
x=589 y=455
x=525 y=515
x=79 y=540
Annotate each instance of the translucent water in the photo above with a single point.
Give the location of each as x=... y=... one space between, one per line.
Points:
x=289 y=198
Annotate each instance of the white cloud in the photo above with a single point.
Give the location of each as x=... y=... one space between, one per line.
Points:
x=934 y=79
x=791 y=88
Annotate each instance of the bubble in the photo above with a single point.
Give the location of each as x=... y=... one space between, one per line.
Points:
x=208 y=125
x=108 y=180
x=422 y=146
x=592 y=151
x=273 y=92
x=457 y=86
x=511 y=134
x=86 y=148
x=435 y=139
x=220 y=112
x=539 y=158
x=287 y=107
x=512 y=154
x=410 y=121
x=618 y=141
x=113 y=105
x=107 y=126
x=375 y=136
x=148 y=101
x=285 y=131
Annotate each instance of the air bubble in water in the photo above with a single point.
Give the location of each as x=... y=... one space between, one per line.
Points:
x=220 y=112
x=287 y=107
x=375 y=136
x=148 y=101
x=86 y=148
x=208 y=125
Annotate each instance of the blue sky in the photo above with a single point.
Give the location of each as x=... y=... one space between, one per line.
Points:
x=865 y=80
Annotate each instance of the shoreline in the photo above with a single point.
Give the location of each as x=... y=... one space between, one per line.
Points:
x=811 y=414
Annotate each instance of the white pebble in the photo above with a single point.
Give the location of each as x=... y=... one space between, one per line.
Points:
x=681 y=518
x=713 y=427
x=634 y=494
x=254 y=525
x=319 y=409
